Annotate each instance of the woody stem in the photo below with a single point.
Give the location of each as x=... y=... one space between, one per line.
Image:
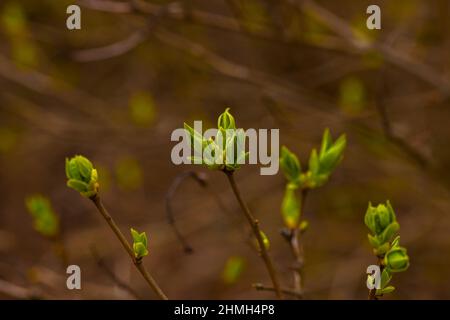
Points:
x=137 y=262
x=254 y=224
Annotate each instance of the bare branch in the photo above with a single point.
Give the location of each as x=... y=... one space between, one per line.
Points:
x=17 y=292
x=393 y=56
x=201 y=180
x=113 y=50
x=288 y=292
x=104 y=266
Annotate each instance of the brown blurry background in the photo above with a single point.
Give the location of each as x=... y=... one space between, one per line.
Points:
x=116 y=89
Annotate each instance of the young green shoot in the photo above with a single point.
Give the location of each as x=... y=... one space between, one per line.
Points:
x=82 y=177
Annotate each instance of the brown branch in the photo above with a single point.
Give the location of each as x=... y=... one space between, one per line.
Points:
x=177 y=11
x=400 y=142
x=17 y=292
x=137 y=262
x=174 y=10
x=293 y=237
x=113 y=50
x=254 y=223
x=288 y=292
x=201 y=180
x=361 y=45
x=110 y=273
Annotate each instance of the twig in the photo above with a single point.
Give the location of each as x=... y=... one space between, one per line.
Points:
x=400 y=142
x=14 y=291
x=393 y=56
x=261 y=287
x=201 y=179
x=254 y=223
x=176 y=11
x=137 y=262
x=121 y=284
x=293 y=237
x=113 y=50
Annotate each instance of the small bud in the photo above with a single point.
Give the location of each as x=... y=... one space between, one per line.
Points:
x=195 y=138
x=304 y=225
x=290 y=207
x=322 y=164
x=226 y=121
x=331 y=154
x=396 y=259
x=46 y=222
x=377 y=219
x=139 y=244
x=290 y=165
x=82 y=176
x=233 y=269
x=314 y=178
x=265 y=241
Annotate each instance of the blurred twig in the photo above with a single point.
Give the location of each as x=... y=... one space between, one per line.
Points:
x=201 y=179
x=104 y=266
x=112 y=50
x=293 y=236
x=176 y=11
x=137 y=262
x=17 y=292
x=261 y=287
x=392 y=55
x=254 y=224
x=400 y=142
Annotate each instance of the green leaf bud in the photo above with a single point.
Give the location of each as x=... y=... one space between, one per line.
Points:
x=396 y=259
x=265 y=239
x=82 y=176
x=226 y=121
x=290 y=207
x=331 y=157
x=377 y=219
x=290 y=165
x=46 y=222
x=139 y=244
x=304 y=225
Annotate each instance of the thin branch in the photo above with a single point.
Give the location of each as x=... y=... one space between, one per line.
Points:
x=201 y=180
x=177 y=11
x=400 y=142
x=392 y=55
x=293 y=237
x=137 y=262
x=110 y=273
x=254 y=223
x=113 y=50
x=17 y=292
x=288 y=292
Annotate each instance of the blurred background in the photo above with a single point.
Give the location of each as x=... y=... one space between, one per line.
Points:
x=116 y=89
